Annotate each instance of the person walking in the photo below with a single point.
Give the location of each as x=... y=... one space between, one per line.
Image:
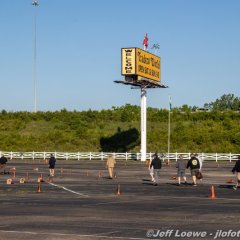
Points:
x=157 y=165
x=194 y=166
x=151 y=170
x=236 y=169
x=110 y=165
x=52 y=162
x=200 y=159
x=181 y=165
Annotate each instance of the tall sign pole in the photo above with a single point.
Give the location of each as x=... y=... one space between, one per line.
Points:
x=35 y=4
x=143 y=123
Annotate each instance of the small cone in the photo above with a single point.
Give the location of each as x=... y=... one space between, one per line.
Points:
x=118 y=190
x=212 y=193
x=22 y=180
x=229 y=181
x=40 y=178
x=9 y=181
x=99 y=174
x=39 y=187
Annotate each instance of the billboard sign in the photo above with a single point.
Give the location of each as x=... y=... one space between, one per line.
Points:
x=138 y=62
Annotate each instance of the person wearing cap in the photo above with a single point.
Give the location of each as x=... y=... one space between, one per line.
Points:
x=157 y=165
x=52 y=162
x=110 y=164
x=236 y=169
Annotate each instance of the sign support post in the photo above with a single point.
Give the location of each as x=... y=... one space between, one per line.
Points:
x=143 y=123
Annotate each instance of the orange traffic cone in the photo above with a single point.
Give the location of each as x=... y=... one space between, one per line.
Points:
x=118 y=190
x=212 y=193
x=40 y=179
x=230 y=181
x=39 y=187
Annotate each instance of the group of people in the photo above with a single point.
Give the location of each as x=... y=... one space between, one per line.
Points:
x=194 y=164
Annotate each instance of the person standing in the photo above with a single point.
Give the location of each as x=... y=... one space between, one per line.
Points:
x=3 y=162
x=110 y=165
x=236 y=169
x=181 y=165
x=52 y=162
x=194 y=165
x=157 y=165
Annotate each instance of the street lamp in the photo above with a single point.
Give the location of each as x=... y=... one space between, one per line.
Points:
x=35 y=4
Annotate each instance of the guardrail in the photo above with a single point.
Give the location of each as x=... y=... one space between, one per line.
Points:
x=121 y=156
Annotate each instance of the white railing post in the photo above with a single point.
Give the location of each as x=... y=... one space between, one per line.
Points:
x=216 y=157
x=102 y=156
x=90 y=156
x=230 y=157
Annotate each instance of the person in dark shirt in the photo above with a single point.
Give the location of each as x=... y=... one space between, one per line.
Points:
x=157 y=165
x=194 y=166
x=3 y=162
x=52 y=162
x=236 y=169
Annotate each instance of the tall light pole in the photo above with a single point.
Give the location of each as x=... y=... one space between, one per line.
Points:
x=169 y=125
x=35 y=4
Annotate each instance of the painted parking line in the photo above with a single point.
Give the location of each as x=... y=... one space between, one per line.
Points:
x=68 y=190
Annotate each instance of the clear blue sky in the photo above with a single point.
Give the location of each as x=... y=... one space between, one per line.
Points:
x=79 y=45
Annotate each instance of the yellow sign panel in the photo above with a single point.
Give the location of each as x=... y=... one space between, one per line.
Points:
x=128 y=61
x=138 y=62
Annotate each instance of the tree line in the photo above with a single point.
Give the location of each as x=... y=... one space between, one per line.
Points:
x=216 y=129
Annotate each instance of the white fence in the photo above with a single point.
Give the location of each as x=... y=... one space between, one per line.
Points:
x=121 y=156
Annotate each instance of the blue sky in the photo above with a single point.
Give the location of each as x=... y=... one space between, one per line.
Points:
x=79 y=52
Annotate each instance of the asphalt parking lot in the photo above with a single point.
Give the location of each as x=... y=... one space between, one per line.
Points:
x=80 y=202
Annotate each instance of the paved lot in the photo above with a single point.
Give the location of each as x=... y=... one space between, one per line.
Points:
x=81 y=203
